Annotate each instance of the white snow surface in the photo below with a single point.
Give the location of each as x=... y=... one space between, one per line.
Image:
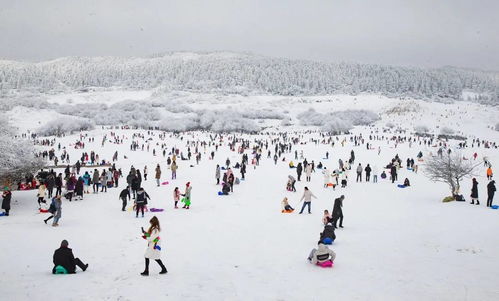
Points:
x=397 y=244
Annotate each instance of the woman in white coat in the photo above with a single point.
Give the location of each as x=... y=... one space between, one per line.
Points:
x=153 y=250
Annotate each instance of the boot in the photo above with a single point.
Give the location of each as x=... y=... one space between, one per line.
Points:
x=478 y=202
x=145 y=273
x=163 y=268
x=472 y=202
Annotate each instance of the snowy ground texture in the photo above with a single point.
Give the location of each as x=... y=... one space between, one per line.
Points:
x=397 y=244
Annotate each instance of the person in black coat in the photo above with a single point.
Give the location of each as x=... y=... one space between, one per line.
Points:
x=328 y=232
x=135 y=186
x=338 y=211
x=243 y=170
x=65 y=258
x=123 y=196
x=474 y=192
x=393 y=172
x=7 y=196
x=368 y=172
x=299 y=170
x=491 y=190
x=58 y=184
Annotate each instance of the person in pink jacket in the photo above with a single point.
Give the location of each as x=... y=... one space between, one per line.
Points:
x=176 y=196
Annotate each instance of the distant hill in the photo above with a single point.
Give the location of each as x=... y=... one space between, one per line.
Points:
x=242 y=73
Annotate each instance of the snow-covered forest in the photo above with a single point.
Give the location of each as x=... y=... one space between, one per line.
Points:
x=246 y=74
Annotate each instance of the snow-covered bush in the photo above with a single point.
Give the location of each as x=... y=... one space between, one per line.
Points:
x=286 y=122
x=446 y=131
x=390 y=125
x=65 y=125
x=339 y=121
x=179 y=124
x=421 y=129
x=336 y=125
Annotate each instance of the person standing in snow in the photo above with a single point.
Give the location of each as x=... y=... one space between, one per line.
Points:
x=145 y=173
x=153 y=250
x=187 y=195
x=299 y=170
x=86 y=180
x=359 y=173
x=307 y=198
x=123 y=197
x=368 y=172
x=141 y=201
x=325 y=173
x=217 y=174
x=103 y=181
x=174 y=168
x=491 y=190
x=308 y=172
x=338 y=211
x=176 y=196
x=474 y=192
x=158 y=174
x=375 y=174
x=95 y=181
x=6 y=198
x=243 y=170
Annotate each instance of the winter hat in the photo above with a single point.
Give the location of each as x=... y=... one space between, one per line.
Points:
x=6 y=188
x=188 y=183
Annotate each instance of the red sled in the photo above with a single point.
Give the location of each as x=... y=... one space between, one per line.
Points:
x=326 y=264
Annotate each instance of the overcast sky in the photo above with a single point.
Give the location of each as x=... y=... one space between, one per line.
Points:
x=398 y=32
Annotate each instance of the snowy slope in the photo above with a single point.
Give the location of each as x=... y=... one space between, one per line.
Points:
x=396 y=244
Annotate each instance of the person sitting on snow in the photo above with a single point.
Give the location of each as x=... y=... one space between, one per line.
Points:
x=64 y=261
x=328 y=232
x=225 y=188
x=321 y=255
x=285 y=205
x=407 y=183
x=383 y=175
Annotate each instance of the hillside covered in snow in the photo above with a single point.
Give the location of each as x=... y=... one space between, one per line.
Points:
x=236 y=73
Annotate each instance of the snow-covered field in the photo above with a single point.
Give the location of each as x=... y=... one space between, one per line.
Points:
x=397 y=244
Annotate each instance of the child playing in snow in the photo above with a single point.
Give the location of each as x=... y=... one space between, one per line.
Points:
x=326 y=218
x=285 y=205
x=176 y=196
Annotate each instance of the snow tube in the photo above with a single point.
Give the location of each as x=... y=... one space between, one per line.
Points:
x=330 y=184
x=44 y=210
x=328 y=241
x=287 y=211
x=223 y=168
x=2 y=214
x=165 y=183
x=325 y=264
x=156 y=210
x=494 y=207
x=60 y=270
x=401 y=186
x=408 y=168
x=220 y=193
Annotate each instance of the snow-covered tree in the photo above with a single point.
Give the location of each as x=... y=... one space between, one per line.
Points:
x=65 y=125
x=17 y=157
x=450 y=169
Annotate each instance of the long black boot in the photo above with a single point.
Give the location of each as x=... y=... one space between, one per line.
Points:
x=163 y=268
x=146 y=271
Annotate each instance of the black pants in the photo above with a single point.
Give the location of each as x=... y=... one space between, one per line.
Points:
x=41 y=200
x=104 y=187
x=218 y=181
x=96 y=187
x=299 y=176
x=145 y=177
x=124 y=204
x=368 y=176
x=78 y=263
x=293 y=187
x=336 y=217
x=163 y=268
x=490 y=197
x=50 y=191
x=70 y=196
x=116 y=182
x=141 y=208
x=7 y=212
x=58 y=191
x=359 y=177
